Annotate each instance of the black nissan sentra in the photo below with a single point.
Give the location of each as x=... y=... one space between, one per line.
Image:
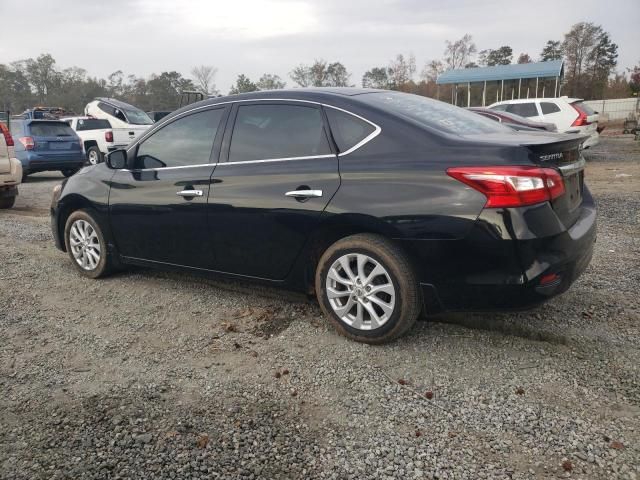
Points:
x=384 y=204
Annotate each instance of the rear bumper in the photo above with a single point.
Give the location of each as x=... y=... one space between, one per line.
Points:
x=37 y=163
x=506 y=267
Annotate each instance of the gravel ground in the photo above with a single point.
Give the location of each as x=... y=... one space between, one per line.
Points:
x=155 y=375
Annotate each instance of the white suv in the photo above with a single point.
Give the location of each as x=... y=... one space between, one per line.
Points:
x=569 y=115
x=10 y=169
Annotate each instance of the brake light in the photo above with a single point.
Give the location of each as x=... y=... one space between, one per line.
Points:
x=511 y=186
x=27 y=142
x=108 y=136
x=8 y=139
x=581 y=121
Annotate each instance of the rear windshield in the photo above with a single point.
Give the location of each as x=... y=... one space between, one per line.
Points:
x=433 y=113
x=51 y=129
x=585 y=108
x=92 y=124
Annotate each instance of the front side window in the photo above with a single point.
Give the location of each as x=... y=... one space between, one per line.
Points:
x=347 y=129
x=548 y=107
x=277 y=131
x=523 y=109
x=186 y=141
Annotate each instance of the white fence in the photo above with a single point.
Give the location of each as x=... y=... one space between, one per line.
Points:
x=615 y=109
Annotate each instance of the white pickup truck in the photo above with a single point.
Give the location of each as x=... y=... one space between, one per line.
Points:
x=127 y=122
x=96 y=135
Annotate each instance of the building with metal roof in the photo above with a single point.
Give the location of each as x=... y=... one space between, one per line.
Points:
x=546 y=75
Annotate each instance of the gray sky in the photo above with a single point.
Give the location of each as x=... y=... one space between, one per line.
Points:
x=272 y=36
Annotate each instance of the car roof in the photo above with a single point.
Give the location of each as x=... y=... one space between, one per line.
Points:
x=116 y=103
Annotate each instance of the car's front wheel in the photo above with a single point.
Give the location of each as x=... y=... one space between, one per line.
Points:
x=86 y=245
x=366 y=286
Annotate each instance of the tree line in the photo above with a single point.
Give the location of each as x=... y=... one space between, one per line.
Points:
x=589 y=53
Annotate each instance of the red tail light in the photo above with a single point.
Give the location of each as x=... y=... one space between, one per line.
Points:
x=27 y=142
x=108 y=136
x=7 y=136
x=582 y=117
x=511 y=186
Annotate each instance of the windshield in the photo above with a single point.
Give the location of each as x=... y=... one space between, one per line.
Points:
x=433 y=113
x=137 y=117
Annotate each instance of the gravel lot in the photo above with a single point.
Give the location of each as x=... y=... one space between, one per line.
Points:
x=155 y=375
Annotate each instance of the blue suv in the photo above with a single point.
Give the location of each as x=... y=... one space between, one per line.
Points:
x=43 y=145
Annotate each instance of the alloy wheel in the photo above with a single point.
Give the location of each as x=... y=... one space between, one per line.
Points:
x=360 y=291
x=85 y=244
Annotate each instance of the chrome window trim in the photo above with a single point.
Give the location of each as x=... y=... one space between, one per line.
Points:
x=165 y=168
x=377 y=130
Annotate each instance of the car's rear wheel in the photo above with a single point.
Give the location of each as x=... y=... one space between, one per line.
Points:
x=94 y=155
x=366 y=286
x=7 y=202
x=69 y=171
x=86 y=245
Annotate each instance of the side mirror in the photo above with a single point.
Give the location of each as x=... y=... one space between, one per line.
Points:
x=117 y=159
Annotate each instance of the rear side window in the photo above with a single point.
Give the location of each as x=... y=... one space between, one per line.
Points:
x=347 y=130
x=92 y=124
x=584 y=107
x=51 y=129
x=277 y=131
x=186 y=141
x=548 y=107
x=114 y=112
x=523 y=109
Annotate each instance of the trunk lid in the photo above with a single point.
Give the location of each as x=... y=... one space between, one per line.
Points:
x=560 y=151
x=566 y=156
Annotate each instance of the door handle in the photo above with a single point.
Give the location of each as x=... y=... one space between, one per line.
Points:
x=189 y=193
x=304 y=193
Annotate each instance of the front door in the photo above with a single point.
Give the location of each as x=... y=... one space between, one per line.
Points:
x=278 y=174
x=158 y=207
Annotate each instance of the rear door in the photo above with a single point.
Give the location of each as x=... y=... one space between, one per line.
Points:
x=54 y=140
x=277 y=173
x=157 y=208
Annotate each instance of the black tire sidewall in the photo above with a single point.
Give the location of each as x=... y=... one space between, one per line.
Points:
x=102 y=267
x=7 y=202
x=362 y=335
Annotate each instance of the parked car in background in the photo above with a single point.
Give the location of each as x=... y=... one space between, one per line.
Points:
x=127 y=122
x=10 y=169
x=570 y=115
x=513 y=121
x=45 y=113
x=96 y=135
x=45 y=145
x=382 y=203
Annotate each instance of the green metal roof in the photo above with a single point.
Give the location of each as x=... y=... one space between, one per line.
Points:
x=502 y=72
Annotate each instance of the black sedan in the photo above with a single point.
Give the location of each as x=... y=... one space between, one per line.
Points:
x=383 y=204
x=512 y=120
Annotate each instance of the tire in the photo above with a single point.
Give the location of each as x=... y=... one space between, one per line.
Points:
x=24 y=176
x=92 y=268
x=69 y=171
x=397 y=286
x=94 y=156
x=7 y=202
